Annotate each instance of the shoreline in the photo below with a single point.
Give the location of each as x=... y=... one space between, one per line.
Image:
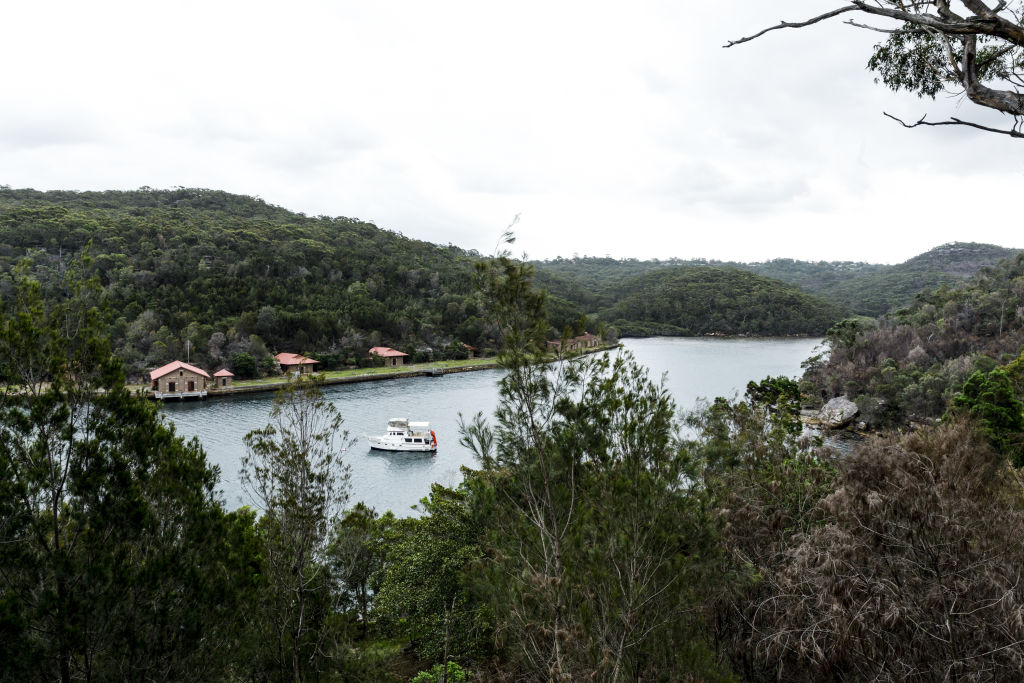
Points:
x=372 y=376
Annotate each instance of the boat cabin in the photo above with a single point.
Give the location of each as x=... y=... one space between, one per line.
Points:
x=397 y=426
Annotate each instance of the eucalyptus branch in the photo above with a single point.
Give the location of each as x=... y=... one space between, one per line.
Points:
x=889 y=31
x=953 y=121
x=798 y=24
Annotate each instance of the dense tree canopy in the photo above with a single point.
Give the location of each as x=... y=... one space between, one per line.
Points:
x=698 y=301
x=973 y=47
x=911 y=363
x=596 y=283
x=117 y=559
x=214 y=276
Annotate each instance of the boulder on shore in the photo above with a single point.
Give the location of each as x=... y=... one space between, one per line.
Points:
x=838 y=412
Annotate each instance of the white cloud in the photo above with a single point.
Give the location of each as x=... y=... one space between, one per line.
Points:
x=613 y=129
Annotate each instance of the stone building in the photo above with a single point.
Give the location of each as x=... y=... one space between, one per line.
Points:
x=293 y=363
x=222 y=378
x=392 y=358
x=179 y=380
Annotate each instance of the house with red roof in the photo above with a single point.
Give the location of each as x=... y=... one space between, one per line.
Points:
x=295 y=363
x=392 y=358
x=580 y=343
x=222 y=378
x=178 y=380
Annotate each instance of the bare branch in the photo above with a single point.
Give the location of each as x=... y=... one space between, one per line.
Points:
x=997 y=55
x=799 y=24
x=890 y=31
x=978 y=25
x=987 y=23
x=980 y=8
x=1013 y=133
x=950 y=57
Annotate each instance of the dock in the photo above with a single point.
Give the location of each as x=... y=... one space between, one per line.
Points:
x=180 y=395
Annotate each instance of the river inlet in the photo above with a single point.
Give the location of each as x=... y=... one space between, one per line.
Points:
x=692 y=368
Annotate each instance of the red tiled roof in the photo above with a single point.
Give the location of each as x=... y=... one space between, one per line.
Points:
x=294 y=359
x=386 y=352
x=175 y=365
x=224 y=373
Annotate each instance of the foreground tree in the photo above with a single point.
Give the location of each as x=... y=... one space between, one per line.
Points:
x=294 y=472
x=594 y=541
x=595 y=544
x=356 y=555
x=760 y=480
x=917 y=576
x=989 y=399
x=943 y=45
x=116 y=559
x=423 y=594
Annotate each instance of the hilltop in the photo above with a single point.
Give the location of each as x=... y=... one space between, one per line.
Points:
x=857 y=287
x=876 y=290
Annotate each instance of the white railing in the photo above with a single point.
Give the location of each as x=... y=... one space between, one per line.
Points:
x=164 y=395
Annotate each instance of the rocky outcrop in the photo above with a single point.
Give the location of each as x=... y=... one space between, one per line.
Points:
x=838 y=412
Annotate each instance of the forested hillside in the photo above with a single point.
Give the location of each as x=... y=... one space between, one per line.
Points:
x=226 y=274
x=874 y=291
x=228 y=280
x=861 y=288
x=913 y=362
x=698 y=301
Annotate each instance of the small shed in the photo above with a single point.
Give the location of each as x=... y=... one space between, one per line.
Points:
x=392 y=358
x=471 y=351
x=222 y=378
x=179 y=380
x=295 y=363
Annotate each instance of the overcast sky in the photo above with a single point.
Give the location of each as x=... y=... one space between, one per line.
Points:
x=620 y=129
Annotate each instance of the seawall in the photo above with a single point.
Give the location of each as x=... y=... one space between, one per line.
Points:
x=223 y=392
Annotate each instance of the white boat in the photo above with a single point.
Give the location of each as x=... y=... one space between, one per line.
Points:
x=404 y=435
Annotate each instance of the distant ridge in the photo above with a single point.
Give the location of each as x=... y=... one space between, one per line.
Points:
x=875 y=292
x=858 y=287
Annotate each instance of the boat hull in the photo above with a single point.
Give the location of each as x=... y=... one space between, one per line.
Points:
x=405 y=435
x=381 y=444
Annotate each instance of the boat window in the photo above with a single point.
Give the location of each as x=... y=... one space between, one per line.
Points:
x=408 y=440
x=417 y=440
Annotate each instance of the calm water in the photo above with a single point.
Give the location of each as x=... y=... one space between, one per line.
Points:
x=693 y=368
